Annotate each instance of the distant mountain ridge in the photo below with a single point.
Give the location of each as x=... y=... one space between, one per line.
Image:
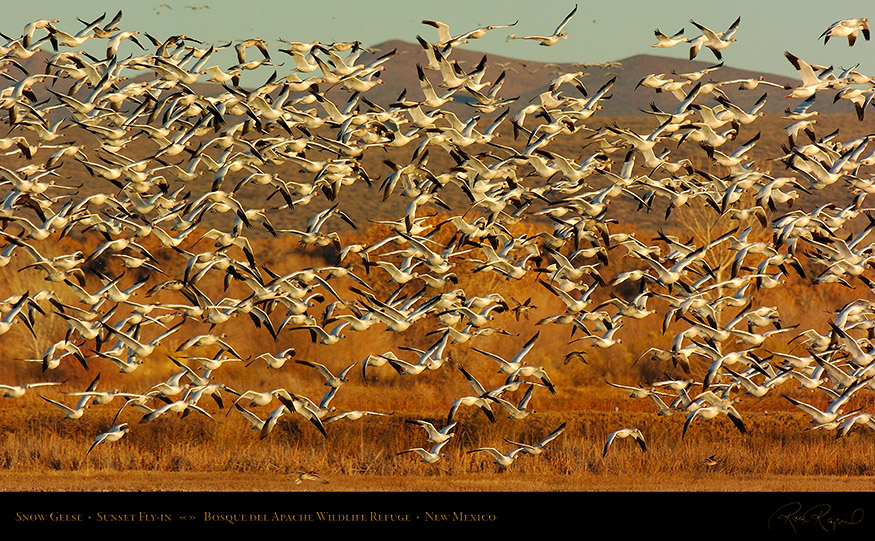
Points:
x=528 y=79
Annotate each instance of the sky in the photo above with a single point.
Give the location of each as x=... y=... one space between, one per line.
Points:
x=598 y=32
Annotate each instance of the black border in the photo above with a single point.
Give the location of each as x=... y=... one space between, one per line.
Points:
x=772 y=514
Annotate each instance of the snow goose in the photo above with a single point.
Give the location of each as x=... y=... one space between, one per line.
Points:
x=178 y=406
x=17 y=391
x=68 y=40
x=756 y=339
x=750 y=386
x=114 y=42
x=31 y=27
x=552 y=39
x=502 y=459
x=14 y=313
x=428 y=456
x=277 y=361
x=70 y=413
x=305 y=407
x=859 y=97
x=318 y=334
x=716 y=41
x=445 y=39
x=376 y=361
x=113 y=434
x=353 y=415
x=752 y=84
x=256 y=422
x=709 y=412
x=452 y=74
x=81 y=405
x=509 y=367
x=853 y=420
x=532 y=371
x=405 y=368
x=834 y=408
x=849 y=28
x=811 y=82
x=519 y=411
x=435 y=435
x=213 y=390
x=635 y=392
x=301 y=47
x=742 y=116
x=663 y=41
x=330 y=379
x=105 y=397
x=635 y=433
x=541 y=446
x=205 y=340
x=269 y=423
x=642 y=142
x=257 y=398
x=467 y=401
x=605 y=340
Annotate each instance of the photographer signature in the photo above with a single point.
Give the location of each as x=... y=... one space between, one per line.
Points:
x=794 y=515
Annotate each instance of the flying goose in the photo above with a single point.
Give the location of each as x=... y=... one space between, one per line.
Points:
x=552 y=39
x=113 y=434
x=353 y=415
x=435 y=435
x=179 y=406
x=17 y=391
x=467 y=401
x=834 y=409
x=709 y=412
x=713 y=40
x=428 y=456
x=663 y=41
x=519 y=411
x=330 y=379
x=81 y=405
x=635 y=433
x=541 y=446
x=305 y=408
x=502 y=459
x=849 y=28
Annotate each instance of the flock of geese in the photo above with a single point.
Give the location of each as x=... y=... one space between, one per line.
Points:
x=140 y=87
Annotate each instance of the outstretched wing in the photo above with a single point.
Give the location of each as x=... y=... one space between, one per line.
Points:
x=565 y=21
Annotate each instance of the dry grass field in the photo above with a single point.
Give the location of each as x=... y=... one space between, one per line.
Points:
x=41 y=452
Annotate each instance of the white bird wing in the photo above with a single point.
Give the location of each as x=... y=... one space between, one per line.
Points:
x=478 y=387
x=611 y=437
x=732 y=29
x=321 y=368
x=254 y=419
x=502 y=362
x=446 y=430
x=524 y=403
x=710 y=35
x=527 y=347
x=806 y=72
x=436 y=449
x=552 y=436
x=346 y=370
x=66 y=409
x=565 y=21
